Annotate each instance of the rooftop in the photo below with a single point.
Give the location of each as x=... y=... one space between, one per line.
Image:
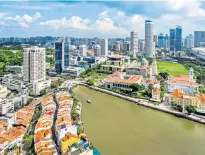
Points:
x=132 y=79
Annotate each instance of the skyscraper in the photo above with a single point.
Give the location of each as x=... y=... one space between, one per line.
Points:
x=134 y=43
x=188 y=43
x=104 y=47
x=163 y=41
x=97 y=51
x=178 y=38
x=141 y=46
x=65 y=57
x=126 y=46
x=61 y=54
x=172 y=39
x=149 y=39
x=34 y=64
x=83 y=50
x=199 y=38
x=155 y=39
x=117 y=46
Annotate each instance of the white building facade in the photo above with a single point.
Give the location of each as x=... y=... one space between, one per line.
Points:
x=83 y=50
x=104 y=47
x=34 y=64
x=149 y=49
x=117 y=46
x=134 y=43
x=97 y=51
x=185 y=83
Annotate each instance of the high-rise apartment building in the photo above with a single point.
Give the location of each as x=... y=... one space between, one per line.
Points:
x=178 y=38
x=141 y=46
x=189 y=41
x=104 y=47
x=155 y=39
x=126 y=46
x=34 y=69
x=117 y=46
x=171 y=39
x=61 y=54
x=34 y=64
x=97 y=51
x=134 y=43
x=83 y=50
x=149 y=49
x=199 y=38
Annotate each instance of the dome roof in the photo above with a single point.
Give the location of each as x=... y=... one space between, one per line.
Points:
x=143 y=60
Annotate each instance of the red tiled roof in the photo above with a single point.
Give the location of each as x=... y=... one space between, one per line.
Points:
x=156 y=91
x=179 y=77
x=144 y=67
x=187 y=83
x=202 y=98
x=133 y=79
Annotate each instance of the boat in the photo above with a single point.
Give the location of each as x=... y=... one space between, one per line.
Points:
x=89 y=101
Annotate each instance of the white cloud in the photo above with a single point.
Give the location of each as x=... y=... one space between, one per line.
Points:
x=74 y=22
x=117 y=22
x=190 y=8
x=23 y=25
x=103 y=14
x=23 y=21
x=107 y=25
x=2 y=15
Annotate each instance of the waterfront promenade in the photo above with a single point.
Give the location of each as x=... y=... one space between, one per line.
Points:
x=145 y=103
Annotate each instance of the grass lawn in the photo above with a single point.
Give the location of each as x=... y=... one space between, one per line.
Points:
x=172 y=68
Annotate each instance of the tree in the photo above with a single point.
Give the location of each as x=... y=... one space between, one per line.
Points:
x=29 y=101
x=136 y=87
x=174 y=102
x=28 y=140
x=162 y=91
x=74 y=114
x=148 y=91
x=43 y=92
x=190 y=109
x=91 y=82
x=164 y=75
x=50 y=52
x=51 y=61
x=150 y=87
x=79 y=130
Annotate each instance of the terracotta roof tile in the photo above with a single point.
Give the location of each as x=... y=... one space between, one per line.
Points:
x=133 y=79
x=144 y=67
x=179 y=77
x=202 y=98
x=156 y=91
x=187 y=83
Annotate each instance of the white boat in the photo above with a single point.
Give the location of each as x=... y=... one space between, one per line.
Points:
x=89 y=101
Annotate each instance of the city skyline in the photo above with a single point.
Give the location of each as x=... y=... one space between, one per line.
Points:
x=99 y=19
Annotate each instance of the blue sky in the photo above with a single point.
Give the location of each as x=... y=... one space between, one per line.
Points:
x=98 y=19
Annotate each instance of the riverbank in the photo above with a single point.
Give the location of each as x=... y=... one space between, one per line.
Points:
x=144 y=103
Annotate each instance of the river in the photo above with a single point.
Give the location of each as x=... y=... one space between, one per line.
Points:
x=119 y=127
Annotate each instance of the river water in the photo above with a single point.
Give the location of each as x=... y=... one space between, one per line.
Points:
x=119 y=127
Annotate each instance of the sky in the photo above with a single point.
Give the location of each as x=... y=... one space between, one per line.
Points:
x=104 y=19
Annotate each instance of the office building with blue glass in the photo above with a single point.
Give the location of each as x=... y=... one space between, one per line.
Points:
x=61 y=54
x=178 y=38
x=172 y=39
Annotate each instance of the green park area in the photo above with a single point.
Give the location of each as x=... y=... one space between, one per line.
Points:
x=172 y=68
